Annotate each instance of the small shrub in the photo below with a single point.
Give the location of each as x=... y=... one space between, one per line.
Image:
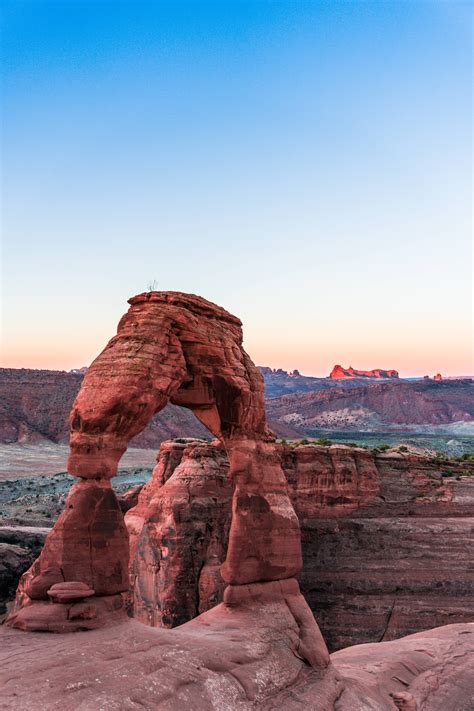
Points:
x=467 y=457
x=323 y=442
x=403 y=448
x=304 y=441
x=383 y=447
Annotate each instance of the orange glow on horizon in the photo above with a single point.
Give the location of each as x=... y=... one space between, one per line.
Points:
x=71 y=356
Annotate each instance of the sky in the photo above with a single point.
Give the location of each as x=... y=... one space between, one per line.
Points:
x=306 y=165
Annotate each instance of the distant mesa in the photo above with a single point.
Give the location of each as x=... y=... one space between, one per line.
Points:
x=279 y=372
x=81 y=371
x=338 y=372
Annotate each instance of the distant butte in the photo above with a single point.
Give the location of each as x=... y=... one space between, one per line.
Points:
x=338 y=372
x=261 y=646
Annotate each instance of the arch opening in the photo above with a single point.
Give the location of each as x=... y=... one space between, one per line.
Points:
x=169 y=347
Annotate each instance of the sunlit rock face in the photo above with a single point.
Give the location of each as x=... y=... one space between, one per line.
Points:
x=179 y=348
x=339 y=372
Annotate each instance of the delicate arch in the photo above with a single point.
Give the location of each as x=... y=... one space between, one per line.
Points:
x=180 y=348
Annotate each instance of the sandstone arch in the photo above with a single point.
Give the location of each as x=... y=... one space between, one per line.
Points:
x=181 y=348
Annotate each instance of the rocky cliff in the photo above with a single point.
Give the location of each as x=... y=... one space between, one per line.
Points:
x=387 y=538
x=19 y=546
x=383 y=406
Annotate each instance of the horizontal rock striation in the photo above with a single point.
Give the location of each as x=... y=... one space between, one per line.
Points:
x=261 y=645
x=387 y=538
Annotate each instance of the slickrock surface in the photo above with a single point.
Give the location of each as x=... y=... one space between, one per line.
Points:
x=387 y=540
x=227 y=660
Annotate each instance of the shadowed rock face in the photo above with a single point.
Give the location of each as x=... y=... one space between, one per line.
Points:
x=387 y=540
x=179 y=348
x=179 y=531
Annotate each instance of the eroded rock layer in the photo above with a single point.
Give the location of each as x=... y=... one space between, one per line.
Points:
x=179 y=348
x=387 y=539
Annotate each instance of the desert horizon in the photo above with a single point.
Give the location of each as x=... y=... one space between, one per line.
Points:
x=236 y=355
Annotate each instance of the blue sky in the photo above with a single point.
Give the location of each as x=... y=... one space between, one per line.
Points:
x=307 y=165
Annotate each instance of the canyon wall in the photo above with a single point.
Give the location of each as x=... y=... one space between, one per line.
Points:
x=398 y=405
x=387 y=538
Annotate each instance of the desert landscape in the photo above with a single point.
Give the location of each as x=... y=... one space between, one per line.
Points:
x=236 y=356
x=385 y=532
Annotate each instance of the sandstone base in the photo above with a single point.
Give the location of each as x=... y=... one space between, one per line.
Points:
x=239 y=664
x=88 y=614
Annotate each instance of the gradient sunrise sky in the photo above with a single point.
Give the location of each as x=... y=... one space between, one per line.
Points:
x=307 y=165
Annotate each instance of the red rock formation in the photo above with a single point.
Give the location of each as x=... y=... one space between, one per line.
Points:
x=386 y=538
x=88 y=545
x=261 y=646
x=438 y=376
x=178 y=534
x=179 y=348
x=339 y=372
